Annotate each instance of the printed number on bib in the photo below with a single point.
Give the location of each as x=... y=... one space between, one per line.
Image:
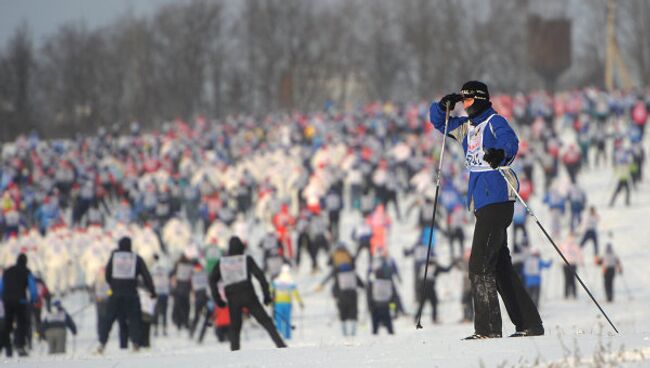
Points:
x=347 y=280
x=382 y=291
x=233 y=269
x=200 y=281
x=124 y=265
x=183 y=272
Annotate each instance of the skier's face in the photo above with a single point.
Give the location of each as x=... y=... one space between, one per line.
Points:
x=467 y=102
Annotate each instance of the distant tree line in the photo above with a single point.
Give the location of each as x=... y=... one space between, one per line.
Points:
x=258 y=56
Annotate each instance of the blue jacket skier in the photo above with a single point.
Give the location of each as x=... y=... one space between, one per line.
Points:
x=489 y=144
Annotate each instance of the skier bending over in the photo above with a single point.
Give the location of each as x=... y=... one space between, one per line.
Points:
x=235 y=271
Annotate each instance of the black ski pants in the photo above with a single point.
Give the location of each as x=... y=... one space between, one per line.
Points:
x=610 y=272
x=381 y=317
x=181 y=310
x=430 y=295
x=16 y=312
x=570 y=282
x=123 y=307
x=236 y=303
x=200 y=301
x=491 y=272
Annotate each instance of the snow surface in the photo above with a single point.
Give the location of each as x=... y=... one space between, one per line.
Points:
x=576 y=334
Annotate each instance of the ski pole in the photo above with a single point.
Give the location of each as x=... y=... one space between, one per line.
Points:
x=433 y=217
x=539 y=224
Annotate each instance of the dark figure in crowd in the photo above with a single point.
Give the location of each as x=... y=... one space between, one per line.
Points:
x=5 y=341
x=346 y=282
x=611 y=266
x=381 y=293
x=55 y=326
x=235 y=271
x=162 y=284
x=200 y=289
x=122 y=272
x=489 y=143
x=16 y=280
x=182 y=281
x=591 y=229
x=425 y=289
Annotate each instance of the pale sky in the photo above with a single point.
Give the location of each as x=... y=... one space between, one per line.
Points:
x=45 y=16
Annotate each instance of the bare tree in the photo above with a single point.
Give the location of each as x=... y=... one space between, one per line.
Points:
x=17 y=67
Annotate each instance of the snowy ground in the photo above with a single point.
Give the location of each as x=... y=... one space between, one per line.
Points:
x=576 y=334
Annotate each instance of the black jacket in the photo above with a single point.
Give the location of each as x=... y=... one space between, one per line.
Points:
x=59 y=318
x=15 y=282
x=244 y=287
x=124 y=287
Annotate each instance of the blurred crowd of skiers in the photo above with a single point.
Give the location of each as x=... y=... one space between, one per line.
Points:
x=175 y=199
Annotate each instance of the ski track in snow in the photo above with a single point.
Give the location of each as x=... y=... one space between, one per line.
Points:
x=576 y=335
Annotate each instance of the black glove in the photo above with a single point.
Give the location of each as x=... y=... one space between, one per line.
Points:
x=267 y=299
x=494 y=157
x=450 y=99
x=153 y=295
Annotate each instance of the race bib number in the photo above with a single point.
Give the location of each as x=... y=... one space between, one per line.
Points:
x=382 y=291
x=161 y=283
x=183 y=272
x=200 y=281
x=124 y=265
x=430 y=272
x=58 y=316
x=474 y=155
x=347 y=280
x=233 y=269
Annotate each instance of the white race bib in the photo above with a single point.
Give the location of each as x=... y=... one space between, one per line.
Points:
x=474 y=156
x=430 y=272
x=233 y=269
x=382 y=291
x=161 y=283
x=347 y=280
x=56 y=317
x=200 y=281
x=124 y=265
x=183 y=272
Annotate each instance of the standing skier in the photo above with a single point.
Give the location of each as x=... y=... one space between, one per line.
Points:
x=200 y=289
x=489 y=142
x=235 y=271
x=533 y=267
x=122 y=272
x=573 y=254
x=16 y=280
x=55 y=326
x=182 y=282
x=284 y=290
x=611 y=265
x=346 y=282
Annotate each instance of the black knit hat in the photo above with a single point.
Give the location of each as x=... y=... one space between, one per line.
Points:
x=476 y=90
x=124 y=244
x=479 y=92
